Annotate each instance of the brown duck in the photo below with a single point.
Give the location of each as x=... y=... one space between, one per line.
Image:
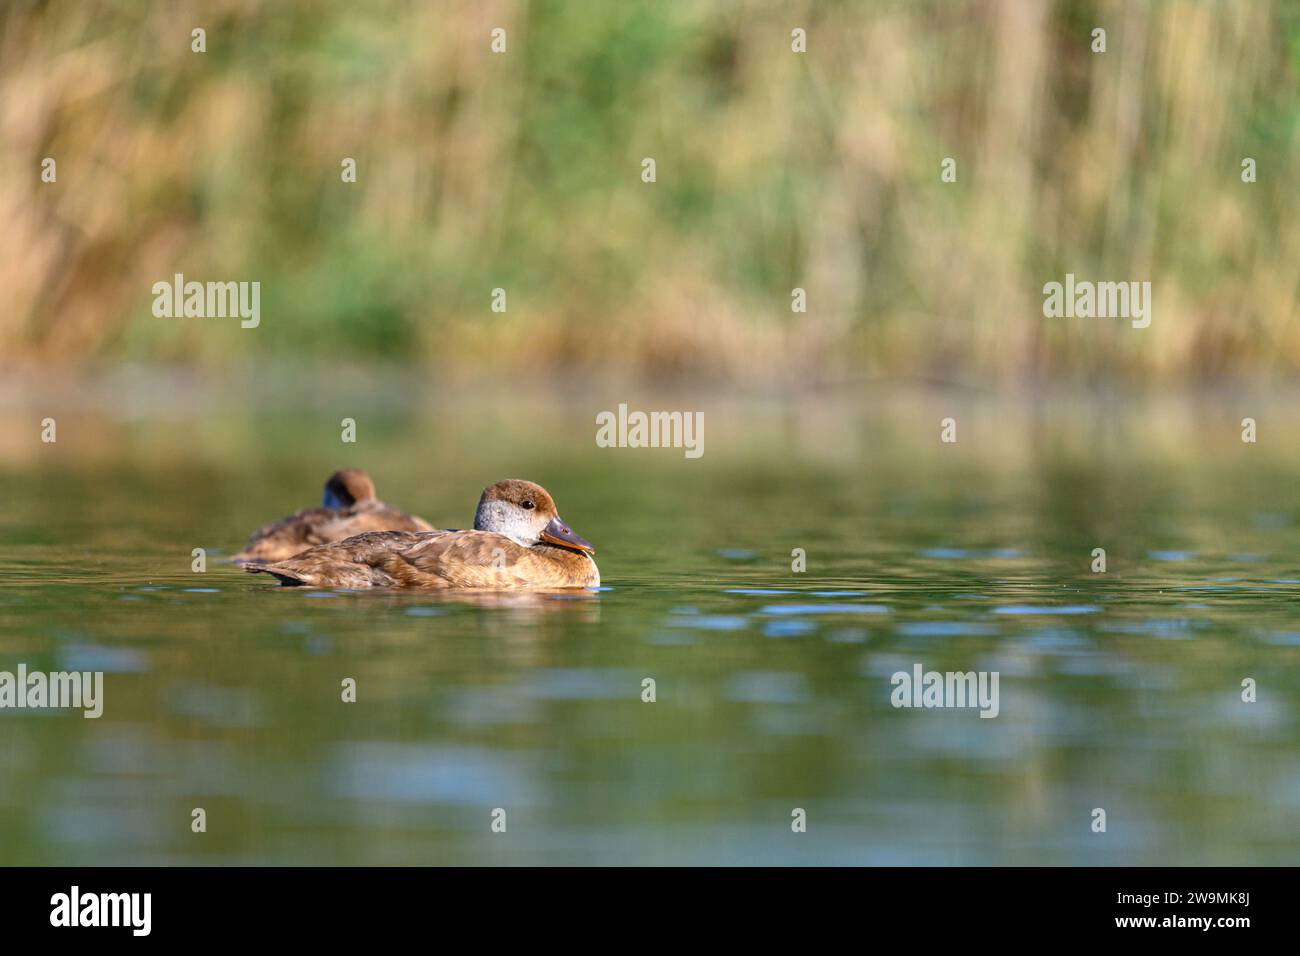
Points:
x=349 y=507
x=518 y=543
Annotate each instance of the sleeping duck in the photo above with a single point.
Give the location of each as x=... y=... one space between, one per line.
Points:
x=349 y=507
x=519 y=542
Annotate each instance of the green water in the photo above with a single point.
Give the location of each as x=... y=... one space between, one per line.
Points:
x=1120 y=690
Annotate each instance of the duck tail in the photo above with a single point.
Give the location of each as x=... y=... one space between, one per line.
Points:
x=285 y=577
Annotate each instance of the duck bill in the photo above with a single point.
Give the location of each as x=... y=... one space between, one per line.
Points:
x=557 y=532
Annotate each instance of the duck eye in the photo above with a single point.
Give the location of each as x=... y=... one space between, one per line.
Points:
x=528 y=505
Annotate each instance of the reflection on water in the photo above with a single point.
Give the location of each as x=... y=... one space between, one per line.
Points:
x=772 y=689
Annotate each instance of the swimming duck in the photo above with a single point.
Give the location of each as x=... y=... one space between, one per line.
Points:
x=349 y=507
x=519 y=542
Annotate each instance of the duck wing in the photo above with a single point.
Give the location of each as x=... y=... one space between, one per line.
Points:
x=355 y=562
x=375 y=516
x=288 y=536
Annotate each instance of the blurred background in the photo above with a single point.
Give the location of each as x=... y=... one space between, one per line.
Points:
x=775 y=170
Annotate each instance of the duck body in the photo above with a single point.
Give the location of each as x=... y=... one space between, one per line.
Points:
x=316 y=526
x=436 y=560
x=349 y=508
x=518 y=543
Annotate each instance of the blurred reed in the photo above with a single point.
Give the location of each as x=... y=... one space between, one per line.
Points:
x=775 y=170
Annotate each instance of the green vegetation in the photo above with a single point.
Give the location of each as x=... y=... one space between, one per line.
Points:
x=775 y=169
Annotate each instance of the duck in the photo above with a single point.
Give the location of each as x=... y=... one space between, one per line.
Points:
x=348 y=507
x=519 y=542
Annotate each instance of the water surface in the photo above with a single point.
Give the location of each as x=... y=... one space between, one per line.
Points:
x=1119 y=690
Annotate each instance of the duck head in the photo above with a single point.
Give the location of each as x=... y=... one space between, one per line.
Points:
x=348 y=487
x=525 y=513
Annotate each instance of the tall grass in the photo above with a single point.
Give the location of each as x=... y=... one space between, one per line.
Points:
x=775 y=170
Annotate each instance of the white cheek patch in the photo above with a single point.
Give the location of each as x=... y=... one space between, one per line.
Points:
x=506 y=521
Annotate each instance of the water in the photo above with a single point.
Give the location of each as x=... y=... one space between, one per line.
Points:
x=1119 y=690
